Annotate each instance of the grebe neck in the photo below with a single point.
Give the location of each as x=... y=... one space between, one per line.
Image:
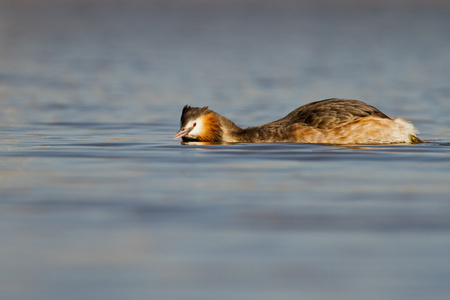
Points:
x=231 y=133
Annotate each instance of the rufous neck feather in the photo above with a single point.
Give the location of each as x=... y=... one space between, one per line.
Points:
x=211 y=129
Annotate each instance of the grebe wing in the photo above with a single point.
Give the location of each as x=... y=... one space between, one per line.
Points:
x=331 y=113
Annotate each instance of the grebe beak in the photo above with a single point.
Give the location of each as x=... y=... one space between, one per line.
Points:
x=183 y=132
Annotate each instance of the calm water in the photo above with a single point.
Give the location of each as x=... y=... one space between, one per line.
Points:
x=99 y=202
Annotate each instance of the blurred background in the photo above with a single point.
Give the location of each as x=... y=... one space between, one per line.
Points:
x=110 y=59
x=98 y=201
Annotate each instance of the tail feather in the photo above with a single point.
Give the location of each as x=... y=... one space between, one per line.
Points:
x=407 y=129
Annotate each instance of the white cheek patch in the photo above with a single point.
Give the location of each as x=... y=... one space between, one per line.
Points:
x=197 y=129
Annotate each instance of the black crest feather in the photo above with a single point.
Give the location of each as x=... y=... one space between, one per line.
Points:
x=190 y=113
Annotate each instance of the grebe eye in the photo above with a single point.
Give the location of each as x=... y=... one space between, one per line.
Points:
x=195 y=124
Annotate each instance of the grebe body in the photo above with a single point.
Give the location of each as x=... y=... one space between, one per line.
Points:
x=330 y=121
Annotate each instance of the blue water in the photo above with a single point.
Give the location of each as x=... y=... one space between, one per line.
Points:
x=97 y=201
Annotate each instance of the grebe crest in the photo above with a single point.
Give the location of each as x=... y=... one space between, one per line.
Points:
x=330 y=121
x=199 y=124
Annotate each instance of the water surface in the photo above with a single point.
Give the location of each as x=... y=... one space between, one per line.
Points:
x=97 y=201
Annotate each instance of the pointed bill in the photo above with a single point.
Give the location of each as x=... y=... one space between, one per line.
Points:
x=181 y=133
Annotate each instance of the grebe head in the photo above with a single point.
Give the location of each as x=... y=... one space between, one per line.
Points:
x=198 y=124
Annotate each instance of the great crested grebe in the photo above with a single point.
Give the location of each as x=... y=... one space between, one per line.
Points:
x=330 y=121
